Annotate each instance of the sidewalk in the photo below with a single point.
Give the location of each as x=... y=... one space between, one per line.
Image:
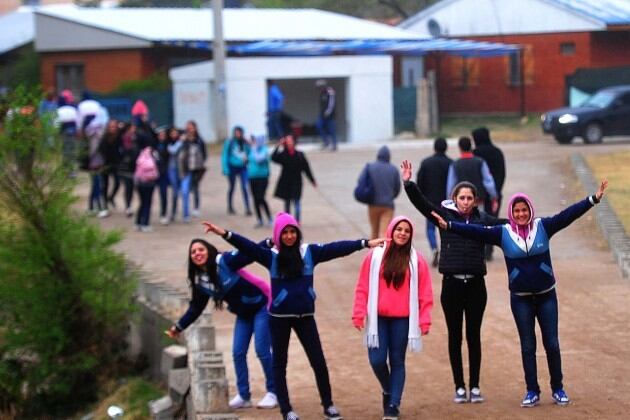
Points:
x=593 y=297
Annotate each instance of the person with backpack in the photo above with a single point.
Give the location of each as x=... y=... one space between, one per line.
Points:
x=146 y=176
x=191 y=168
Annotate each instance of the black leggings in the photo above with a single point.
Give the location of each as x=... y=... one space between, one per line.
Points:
x=259 y=187
x=464 y=298
x=306 y=330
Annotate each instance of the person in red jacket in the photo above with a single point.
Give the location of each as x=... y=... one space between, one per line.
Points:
x=394 y=292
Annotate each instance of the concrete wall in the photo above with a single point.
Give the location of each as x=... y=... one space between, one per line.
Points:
x=367 y=94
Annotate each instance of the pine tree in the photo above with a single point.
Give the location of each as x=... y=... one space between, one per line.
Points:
x=65 y=295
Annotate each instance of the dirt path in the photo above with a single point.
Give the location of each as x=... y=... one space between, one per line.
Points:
x=594 y=299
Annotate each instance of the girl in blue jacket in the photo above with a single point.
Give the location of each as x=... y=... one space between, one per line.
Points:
x=525 y=244
x=291 y=265
x=220 y=276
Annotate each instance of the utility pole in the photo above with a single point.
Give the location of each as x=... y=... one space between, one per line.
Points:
x=218 y=58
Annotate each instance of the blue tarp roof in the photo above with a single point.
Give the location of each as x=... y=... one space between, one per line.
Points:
x=464 y=48
x=611 y=12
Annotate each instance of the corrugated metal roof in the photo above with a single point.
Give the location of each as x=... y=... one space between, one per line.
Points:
x=177 y=24
x=17 y=28
x=611 y=12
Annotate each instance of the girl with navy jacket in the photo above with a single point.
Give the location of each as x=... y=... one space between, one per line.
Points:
x=291 y=265
x=220 y=276
x=525 y=244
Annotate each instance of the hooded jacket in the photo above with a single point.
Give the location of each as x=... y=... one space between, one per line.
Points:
x=292 y=296
x=526 y=248
x=392 y=302
x=492 y=155
x=258 y=161
x=385 y=179
x=244 y=293
x=458 y=254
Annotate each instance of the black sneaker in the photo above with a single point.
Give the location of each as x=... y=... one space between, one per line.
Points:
x=386 y=398
x=331 y=413
x=391 y=413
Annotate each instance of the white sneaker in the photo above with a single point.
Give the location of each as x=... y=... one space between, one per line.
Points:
x=146 y=229
x=268 y=401
x=460 y=396
x=128 y=212
x=195 y=213
x=239 y=402
x=103 y=213
x=475 y=396
x=164 y=221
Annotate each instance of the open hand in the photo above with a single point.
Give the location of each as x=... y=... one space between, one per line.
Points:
x=405 y=170
x=209 y=227
x=443 y=224
x=602 y=187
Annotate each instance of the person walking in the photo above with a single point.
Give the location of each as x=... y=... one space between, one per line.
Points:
x=291 y=267
x=463 y=268
x=325 y=124
x=146 y=176
x=386 y=182
x=532 y=283
x=163 y=162
x=485 y=149
x=258 y=173
x=431 y=178
x=394 y=292
x=474 y=170
x=175 y=143
x=127 y=166
x=234 y=161
x=293 y=163
x=275 y=108
x=221 y=276
x=110 y=149
x=191 y=167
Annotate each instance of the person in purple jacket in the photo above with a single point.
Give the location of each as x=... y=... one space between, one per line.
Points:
x=291 y=265
x=220 y=276
x=525 y=244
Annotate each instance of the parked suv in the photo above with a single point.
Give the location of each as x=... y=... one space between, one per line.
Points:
x=606 y=113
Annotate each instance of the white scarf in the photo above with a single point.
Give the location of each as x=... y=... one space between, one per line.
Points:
x=371 y=337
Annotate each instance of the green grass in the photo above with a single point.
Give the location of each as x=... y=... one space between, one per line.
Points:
x=615 y=168
x=132 y=396
x=505 y=128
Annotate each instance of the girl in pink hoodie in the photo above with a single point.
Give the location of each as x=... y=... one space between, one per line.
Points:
x=394 y=291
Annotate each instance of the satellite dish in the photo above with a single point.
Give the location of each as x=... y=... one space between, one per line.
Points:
x=434 y=28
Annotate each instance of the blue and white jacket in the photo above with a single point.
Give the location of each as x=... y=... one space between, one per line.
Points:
x=527 y=256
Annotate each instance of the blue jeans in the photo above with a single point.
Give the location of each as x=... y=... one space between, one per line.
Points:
x=327 y=128
x=526 y=309
x=243 y=330
x=392 y=338
x=173 y=179
x=274 y=124
x=96 y=193
x=431 y=235
x=163 y=186
x=297 y=207
x=186 y=186
x=240 y=173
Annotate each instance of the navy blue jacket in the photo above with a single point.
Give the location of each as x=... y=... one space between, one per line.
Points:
x=528 y=262
x=295 y=296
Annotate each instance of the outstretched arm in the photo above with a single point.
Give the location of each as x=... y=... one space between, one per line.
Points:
x=332 y=250
x=259 y=253
x=572 y=213
x=488 y=234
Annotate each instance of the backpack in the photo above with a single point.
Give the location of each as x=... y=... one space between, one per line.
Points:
x=364 y=191
x=146 y=167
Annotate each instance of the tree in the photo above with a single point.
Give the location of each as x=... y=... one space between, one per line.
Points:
x=65 y=294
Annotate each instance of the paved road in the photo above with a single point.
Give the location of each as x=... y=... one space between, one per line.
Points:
x=594 y=299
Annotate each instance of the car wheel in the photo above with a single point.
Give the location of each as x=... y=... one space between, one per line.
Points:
x=563 y=139
x=593 y=133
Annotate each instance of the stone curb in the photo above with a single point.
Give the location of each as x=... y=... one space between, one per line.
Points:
x=611 y=227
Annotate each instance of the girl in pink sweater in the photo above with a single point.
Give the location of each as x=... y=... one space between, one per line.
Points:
x=394 y=292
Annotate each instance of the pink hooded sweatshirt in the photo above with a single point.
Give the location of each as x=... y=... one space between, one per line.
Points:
x=392 y=302
x=283 y=220
x=522 y=231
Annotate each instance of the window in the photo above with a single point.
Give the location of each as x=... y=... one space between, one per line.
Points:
x=70 y=76
x=464 y=71
x=514 y=67
x=567 y=48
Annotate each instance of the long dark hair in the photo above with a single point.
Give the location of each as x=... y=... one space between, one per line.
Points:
x=210 y=268
x=396 y=261
x=290 y=262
